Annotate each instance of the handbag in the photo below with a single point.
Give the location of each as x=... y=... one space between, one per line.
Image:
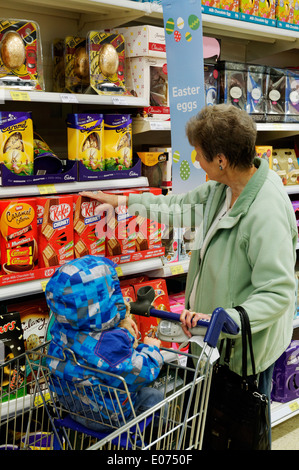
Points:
x=237 y=414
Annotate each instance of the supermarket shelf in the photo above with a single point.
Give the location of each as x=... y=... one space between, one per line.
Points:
x=15 y=407
x=38 y=286
x=171 y=269
x=70 y=98
x=141 y=125
x=280 y=412
x=62 y=188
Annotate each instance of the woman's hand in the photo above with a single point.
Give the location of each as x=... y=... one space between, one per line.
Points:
x=113 y=200
x=109 y=201
x=189 y=320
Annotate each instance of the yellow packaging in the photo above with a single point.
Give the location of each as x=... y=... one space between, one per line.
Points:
x=85 y=135
x=16 y=142
x=118 y=141
x=265 y=151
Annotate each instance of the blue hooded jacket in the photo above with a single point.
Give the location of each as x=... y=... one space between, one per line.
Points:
x=87 y=303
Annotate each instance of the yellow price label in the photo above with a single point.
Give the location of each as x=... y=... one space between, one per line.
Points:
x=119 y=271
x=38 y=401
x=178 y=269
x=20 y=96
x=44 y=284
x=294 y=406
x=47 y=188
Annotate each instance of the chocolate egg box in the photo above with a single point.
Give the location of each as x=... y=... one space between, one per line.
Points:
x=107 y=62
x=76 y=64
x=20 y=55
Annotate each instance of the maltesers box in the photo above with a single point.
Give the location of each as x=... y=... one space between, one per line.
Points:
x=12 y=346
x=145 y=40
x=86 y=241
x=148 y=325
x=18 y=235
x=55 y=230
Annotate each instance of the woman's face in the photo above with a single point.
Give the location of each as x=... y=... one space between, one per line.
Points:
x=211 y=168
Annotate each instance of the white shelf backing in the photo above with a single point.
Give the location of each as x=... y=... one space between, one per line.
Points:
x=22 y=289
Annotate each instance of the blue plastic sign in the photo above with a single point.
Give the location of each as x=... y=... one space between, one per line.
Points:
x=185 y=67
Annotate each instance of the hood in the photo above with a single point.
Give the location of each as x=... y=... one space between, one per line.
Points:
x=85 y=294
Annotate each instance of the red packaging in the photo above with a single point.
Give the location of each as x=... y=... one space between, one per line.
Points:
x=148 y=325
x=121 y=229
x=18 y=243
x=133 y=280
x=129 y=296
x=147 y=228
x=55 y=230
x=86 y=237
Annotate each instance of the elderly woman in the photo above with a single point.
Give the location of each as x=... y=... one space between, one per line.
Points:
x=245 y=251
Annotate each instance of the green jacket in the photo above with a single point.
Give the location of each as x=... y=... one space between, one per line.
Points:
x=249 y=260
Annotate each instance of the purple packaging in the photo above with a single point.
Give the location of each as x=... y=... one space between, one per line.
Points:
x=285 y=380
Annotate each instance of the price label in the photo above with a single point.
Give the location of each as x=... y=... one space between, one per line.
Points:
x=46 y=188
x=20 y=96
x=68 y=98
x=294 y=406
x=119 y=100
x=178 y=269
x=119 y=271
x=44 y=283
x=159 y=126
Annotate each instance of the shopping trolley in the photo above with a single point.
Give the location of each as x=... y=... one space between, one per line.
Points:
x=176 y=422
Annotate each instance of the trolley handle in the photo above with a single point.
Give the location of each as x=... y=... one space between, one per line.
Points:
x=220 y=321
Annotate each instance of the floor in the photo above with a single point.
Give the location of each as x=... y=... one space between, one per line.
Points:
x=285 y=436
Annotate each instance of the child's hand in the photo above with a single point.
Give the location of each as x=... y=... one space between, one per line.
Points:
x=152 y=342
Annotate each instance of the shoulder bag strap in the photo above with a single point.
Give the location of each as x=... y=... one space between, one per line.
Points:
x=246 y=329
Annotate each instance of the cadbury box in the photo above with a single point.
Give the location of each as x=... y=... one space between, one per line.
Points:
x=55 y=230
x=148 y=326
x=285 y=380
x=11 y=347
x=85 y=221
x=18 y=240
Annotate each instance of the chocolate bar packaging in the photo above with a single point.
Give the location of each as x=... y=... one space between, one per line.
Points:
x=120 y=229
x=16 y=142
x=11 y=347
x=85 y=222
x=85 y=134
x=18 y=241
x=55 y=230
x=20 y=55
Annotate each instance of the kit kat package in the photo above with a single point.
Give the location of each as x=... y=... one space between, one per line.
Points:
x=86 y=239
x=55 y=230
x=18 y=240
